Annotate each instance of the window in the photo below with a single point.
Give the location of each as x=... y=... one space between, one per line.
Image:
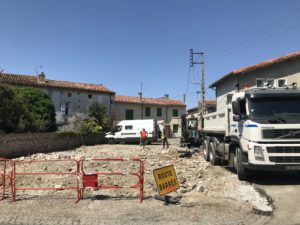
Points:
x=281 y=82
x=147 y=111
x=129 y=114
x=65 y=108
x=89 y=95
x=242 y=104
x=128 y=127
x=69 y=94
x=175 y=112
x=175 y=128
x=159 y=112
x=270 y=82
x=260 y=82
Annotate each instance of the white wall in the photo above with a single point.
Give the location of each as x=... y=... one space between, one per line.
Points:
x=78 y=103
x=167 y=113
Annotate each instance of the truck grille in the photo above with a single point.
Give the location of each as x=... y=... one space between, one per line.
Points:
x=285 y=159
x=281 y=133
x=284 y=149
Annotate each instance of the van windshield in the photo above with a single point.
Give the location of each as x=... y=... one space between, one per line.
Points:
x=117 y=128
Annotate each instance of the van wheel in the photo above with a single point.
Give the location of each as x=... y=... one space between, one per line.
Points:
x=213 y=154
x=111 y=141
x=205 y=151
x=241 y=171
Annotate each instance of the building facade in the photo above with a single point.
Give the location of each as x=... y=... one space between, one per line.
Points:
x=275 y=73
x=162 y=109
x=71 y=99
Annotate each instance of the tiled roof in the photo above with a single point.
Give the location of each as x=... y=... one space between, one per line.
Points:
x=207 y=103
x=149 y=101
x=259 y=66
x=32 y=81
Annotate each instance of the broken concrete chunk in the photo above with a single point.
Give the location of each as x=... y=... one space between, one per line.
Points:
x=200 y=187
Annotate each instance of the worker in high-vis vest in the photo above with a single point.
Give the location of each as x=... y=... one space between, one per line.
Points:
x=164 y=138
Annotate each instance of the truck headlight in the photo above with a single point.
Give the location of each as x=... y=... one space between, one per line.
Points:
x=258 y=153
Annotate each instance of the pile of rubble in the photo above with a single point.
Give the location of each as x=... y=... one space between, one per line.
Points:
x=198 y=179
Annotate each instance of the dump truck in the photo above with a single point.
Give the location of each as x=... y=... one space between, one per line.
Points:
x=257 y=129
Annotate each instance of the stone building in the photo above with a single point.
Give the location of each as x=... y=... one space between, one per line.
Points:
x=274 y=73
x=71 y=99
x=168 y=110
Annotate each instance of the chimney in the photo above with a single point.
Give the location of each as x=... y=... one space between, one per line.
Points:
x=141 y=95
x=41 y=77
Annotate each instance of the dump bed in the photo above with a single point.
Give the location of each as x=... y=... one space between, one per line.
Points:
x=217 y=122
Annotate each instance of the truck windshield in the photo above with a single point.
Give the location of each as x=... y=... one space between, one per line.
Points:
x=275 y=110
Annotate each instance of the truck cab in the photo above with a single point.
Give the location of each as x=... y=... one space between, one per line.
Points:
x=266 y=125
x=259 y=129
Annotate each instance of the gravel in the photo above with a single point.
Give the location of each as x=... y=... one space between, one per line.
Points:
x=212 y=190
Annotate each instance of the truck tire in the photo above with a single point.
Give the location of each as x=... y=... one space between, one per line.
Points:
x=205 y=151
x=241 y=171
x=214 y=160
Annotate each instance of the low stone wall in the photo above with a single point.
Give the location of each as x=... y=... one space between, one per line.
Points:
x=15 y=145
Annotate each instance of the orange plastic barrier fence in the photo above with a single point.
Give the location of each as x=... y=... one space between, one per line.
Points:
x=15 y=174
x=90 y=179
x=81 y=178
x=3 y=174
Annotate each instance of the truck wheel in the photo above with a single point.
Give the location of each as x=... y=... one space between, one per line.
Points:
x=205 y=151
x=241 y=171
x=213 y=154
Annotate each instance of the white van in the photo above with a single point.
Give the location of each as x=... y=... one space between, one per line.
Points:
x=128 y=131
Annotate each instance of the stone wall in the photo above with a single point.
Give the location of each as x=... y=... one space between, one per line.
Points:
x=15 y=145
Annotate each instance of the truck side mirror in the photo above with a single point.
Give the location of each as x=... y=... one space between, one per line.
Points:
x=237 y=118
x=236 y=108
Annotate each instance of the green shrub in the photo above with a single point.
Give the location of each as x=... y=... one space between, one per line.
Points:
x=89 y=125
x=40 y=111
x=25 y=110
x=12 y=111
x=99 y=113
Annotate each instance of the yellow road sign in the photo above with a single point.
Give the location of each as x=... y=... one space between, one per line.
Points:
x=166 y=179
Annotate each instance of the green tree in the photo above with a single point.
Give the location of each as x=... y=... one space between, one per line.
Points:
x=11 y=109
x=99 y=113
x=25 y=110
x=39 y=110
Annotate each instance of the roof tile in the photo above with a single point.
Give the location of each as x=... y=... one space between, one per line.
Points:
x=149 y=101
x=258 y=66
x=28 y=80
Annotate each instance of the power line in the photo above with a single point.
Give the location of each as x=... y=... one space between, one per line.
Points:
x=254 y=43
x=261 y=31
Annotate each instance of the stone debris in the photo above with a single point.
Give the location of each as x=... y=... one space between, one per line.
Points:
x=195 y=175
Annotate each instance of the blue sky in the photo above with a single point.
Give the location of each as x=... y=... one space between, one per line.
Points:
x=123 y=43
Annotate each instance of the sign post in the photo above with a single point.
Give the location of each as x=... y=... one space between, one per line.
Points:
x=166 y=180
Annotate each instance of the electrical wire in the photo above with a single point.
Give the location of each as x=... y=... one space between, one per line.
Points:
x=254 y=43
x=261 y=31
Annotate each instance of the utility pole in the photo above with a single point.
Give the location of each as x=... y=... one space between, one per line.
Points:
x=192 y=62
x=141 y=100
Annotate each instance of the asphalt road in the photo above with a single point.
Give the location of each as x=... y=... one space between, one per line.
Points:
x=284 y=188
